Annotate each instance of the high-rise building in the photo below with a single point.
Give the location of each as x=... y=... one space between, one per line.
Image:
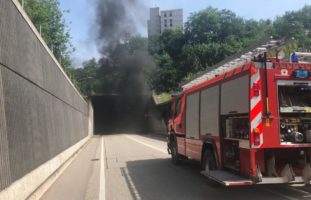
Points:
x=154 y=22
x=171 y=19
x=166 y=19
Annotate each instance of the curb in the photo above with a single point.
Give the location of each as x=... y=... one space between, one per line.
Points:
x=45 y=186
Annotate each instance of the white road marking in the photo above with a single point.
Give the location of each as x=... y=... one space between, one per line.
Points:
x=280 y=194
x=134 y=190
x=300 y=191
x=148 y=145
x=102 y=183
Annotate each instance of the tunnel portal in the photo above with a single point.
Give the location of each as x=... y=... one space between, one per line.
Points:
x=126 y=114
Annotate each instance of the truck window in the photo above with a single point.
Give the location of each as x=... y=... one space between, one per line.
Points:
x=177 y=107
x=235 y=96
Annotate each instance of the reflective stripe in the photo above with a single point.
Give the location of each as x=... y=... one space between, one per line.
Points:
x=256 y=121
x=256 y=109
x=255 y=101
x=255 y=78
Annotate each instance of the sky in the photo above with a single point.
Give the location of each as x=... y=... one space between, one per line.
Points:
x=81 y=18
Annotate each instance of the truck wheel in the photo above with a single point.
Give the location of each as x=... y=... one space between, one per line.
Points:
x=209 y=161
x=175 y=156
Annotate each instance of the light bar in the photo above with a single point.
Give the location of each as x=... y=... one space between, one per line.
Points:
x=301 y=74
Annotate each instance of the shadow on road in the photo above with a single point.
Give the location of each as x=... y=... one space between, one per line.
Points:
x=159 y=179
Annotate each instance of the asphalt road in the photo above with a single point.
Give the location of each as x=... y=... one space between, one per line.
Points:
x=81 y=179
x=138 y=167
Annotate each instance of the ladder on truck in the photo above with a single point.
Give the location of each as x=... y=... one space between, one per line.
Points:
x=235 y=61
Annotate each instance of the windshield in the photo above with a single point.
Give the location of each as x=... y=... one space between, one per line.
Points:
x=295 y=99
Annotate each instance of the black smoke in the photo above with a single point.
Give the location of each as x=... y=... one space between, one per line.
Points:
x=118 y=20
x=118 y=24
x=125 y=65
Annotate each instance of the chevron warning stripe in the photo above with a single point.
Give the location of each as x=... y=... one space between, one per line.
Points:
x=256 y=109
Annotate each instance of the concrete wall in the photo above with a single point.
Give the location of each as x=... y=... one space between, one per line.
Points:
x=91 y=118
x=42 y=115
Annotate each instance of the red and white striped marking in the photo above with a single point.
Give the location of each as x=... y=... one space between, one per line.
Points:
x=256 y=107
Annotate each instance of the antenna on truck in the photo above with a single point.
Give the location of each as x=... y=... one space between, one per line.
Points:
x=235 y=61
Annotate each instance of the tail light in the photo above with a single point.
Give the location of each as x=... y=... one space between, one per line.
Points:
x=267 y=122
x=256 y=133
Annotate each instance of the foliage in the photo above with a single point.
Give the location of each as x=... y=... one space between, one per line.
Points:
x=48 y=17
x=165 y=74
x=85 y=77
x=295 y=24
x=211 y=35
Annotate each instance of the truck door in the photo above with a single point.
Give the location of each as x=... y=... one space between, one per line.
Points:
x=177 y=116
x=177 y=124
x=235 y=123
x=193 y=144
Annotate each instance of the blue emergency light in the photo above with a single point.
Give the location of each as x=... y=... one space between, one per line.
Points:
x=301 y=74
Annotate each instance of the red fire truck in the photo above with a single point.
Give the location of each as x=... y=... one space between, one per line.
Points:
x=248 y=121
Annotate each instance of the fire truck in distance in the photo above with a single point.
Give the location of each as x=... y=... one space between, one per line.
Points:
x=247 y=121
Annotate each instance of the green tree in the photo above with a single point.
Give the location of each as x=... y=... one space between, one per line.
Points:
x=163 y=78
x=295 y=24
x=86 y=78
x=48 y=17
x=137 y=44
x=210 y=36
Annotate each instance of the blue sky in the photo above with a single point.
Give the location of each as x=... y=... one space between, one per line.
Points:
x=82 y=16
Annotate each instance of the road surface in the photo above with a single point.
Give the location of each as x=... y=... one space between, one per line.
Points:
x=131 y=166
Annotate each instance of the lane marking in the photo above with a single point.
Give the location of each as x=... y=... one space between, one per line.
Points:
x=300 y=191
x=133 y=190
x=279 y=194
x=102 y=183
x=148 y=145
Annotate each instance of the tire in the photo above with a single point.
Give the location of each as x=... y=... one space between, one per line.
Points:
x=175 y=156
x=209 y=161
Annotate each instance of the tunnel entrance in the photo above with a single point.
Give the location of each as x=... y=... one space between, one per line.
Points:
x=126 y=114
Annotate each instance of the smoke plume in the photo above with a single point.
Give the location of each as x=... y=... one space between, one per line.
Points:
x=124 y=64
x=117 y=21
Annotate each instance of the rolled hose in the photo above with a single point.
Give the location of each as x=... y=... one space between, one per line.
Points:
x=296 y=137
